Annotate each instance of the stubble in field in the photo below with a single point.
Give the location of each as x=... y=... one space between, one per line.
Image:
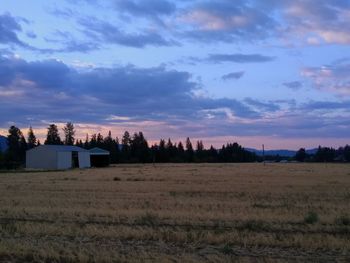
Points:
x=178 y=212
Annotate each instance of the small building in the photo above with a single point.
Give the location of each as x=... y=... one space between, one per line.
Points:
x=57 y=157
x=99 y=157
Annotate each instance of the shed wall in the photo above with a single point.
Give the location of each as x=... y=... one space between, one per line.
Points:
x=41 y=159
x=84 y=159
x=64 y=160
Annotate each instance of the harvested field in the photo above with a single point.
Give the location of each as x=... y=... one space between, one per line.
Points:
x=178 y=213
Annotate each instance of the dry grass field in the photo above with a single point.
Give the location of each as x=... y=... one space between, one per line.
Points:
x=178 y=213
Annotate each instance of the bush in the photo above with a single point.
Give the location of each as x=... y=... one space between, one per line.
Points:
x=311 y=218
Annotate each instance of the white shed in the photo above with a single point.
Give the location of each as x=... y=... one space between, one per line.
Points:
x=57 y=157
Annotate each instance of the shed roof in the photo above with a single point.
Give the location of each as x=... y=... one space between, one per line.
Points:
x=98 y=151
x=61 y=148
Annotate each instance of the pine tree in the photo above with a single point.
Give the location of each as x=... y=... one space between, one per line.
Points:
x=93 y=141
x=31 y=140
x=180 y=153
x=52 y=137
x=16 y=147
x=110 y=145
x=125 y=153
x=99 y=140
x=86 y=143
x=162 y=152
x=189 y=151
x=69 y=134
x=199 y=151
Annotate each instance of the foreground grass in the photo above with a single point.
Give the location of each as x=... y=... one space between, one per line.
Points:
x=174 y=212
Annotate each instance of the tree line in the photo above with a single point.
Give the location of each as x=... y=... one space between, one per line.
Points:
x=136 y=149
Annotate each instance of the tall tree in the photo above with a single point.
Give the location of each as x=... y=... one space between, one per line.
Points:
x=347 y=153
x=162 y=152
x=110 y=145
x=93 y=141
x=31 y=140
x=53 y=137
x=86 y=143
x=180 y=152
x=99 y=140
x=200 y=151
x=125 y=153
x=16 y=147
x=189 y=151
x=69 y=133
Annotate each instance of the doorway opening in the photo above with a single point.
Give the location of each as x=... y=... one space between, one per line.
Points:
x=75 y=160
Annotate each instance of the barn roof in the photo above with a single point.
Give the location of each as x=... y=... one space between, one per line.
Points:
x=98 y=151
x=61 y=148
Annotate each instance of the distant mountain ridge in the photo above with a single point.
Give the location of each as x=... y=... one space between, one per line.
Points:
x=3 y=143
x=284 y=153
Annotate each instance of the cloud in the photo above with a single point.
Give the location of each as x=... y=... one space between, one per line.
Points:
x=98 y=93
x=9 y=27
x=233 y=75
x=226 y=21
x=311 y=22
x=314 y=21
x=294 y=85
x=239 y=58
x=39 y=92
x=106 y=32
x=146 y=8
x=333 y=78
x=262 y=106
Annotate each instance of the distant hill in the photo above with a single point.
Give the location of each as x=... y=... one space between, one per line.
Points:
x=284 y=153
x=3 y=143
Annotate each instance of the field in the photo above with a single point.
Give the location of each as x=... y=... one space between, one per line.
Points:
x=178 y=213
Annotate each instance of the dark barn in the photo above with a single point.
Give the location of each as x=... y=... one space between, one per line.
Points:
x=99 y=157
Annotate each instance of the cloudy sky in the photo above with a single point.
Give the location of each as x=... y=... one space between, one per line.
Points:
x=253 y=71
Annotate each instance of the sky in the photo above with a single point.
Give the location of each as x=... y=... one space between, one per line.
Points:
x=256 y=71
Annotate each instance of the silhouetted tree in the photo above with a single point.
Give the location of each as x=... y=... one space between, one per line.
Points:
x=31 y=140
x=162 y=155
x=212 y=154
x=16 y=148
x=87 y=143
x=189 y=151
x=99 y=140
x=125 y=152
x=79 y=143
x=53 y=137
x=139 y=150
x=233 y=152
x=180 y=152
x=347 y=153
x=69 y=133
x=200 y=154
x=2 y=159
x=301 y=155
x=115 y=153
x=325 y=154
x=111 y=145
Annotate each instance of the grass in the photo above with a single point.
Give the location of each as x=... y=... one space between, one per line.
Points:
x=177 y=213
x=311 y=218
x=343 y=220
